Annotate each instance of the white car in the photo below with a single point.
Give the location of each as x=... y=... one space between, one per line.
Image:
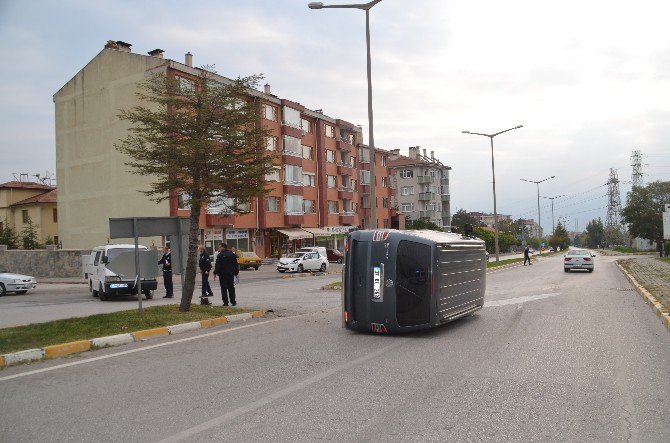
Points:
x=578 y=259
x=303 y=261
x=18 y=283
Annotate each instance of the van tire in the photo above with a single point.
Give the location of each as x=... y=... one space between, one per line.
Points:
x=101 y=294
x=148 y=294
x=323 y=267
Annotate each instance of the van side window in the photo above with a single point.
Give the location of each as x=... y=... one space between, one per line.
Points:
x=97 y=258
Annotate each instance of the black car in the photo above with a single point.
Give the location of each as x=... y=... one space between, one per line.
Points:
x=335 y=256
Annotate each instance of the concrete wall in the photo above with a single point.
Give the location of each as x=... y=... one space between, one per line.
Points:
x=43 y=263
x=94 y=184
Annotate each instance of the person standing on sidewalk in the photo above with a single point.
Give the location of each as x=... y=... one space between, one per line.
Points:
x=166 y=261
x=526 y=256
x=226 y=268
x=205 y=265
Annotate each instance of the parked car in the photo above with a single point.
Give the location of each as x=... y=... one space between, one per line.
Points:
x=303 y=261
x=578 y=259
x=18 y=283
x=334 y=255
x=320 y=249
x=248 y=260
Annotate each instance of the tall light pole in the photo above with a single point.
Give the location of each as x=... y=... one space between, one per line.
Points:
x=493 y=171
x=553 y=228
x=365 y=7
x=539 y=223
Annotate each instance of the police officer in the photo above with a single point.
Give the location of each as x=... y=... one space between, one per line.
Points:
x=226 y=268
x=205 y=265
x=166 y=261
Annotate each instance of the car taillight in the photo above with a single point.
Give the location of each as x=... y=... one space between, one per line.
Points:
x=587 y=259
x=567 y=259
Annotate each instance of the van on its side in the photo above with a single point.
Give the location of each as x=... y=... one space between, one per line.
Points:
x=103 y=283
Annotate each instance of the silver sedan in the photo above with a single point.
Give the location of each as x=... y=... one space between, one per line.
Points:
x=10 y=282
x=578 y=259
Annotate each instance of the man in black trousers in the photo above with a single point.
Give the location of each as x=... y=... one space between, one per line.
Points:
x=205 y=265
x=226 y=268
x=166 y=261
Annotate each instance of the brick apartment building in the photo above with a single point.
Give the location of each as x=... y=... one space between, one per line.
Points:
x=319 y=191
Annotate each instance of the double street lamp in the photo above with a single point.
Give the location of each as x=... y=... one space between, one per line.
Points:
x=539 y=223
x=365 y=7
x=493 y=171
x=553 y=228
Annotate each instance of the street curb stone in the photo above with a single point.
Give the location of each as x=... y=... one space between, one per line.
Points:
x=648 y=298
x=62 y=350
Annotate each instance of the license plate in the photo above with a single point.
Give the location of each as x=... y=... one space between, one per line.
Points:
x=118 y=285
x=376 y=282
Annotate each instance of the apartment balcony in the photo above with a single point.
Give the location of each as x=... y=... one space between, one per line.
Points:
x=427 y=214
x=344 y=169
x=347 y=218
x=292 y=158
x=445 y=197
x=345 y=194
x=426 y=196
x=343 y=145
x=425 y=179
x=294 y=219
x=444 y=182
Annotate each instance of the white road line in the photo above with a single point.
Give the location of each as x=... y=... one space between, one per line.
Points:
x=146 y=348
x=228 y=416
x=518 y=300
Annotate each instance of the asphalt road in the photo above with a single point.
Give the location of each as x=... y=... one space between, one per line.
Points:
x=551 y=357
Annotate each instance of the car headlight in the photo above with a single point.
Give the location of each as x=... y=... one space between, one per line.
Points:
x=17 y=281
x=112 y=278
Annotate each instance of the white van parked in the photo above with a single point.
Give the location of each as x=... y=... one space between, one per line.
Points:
x=103 y=283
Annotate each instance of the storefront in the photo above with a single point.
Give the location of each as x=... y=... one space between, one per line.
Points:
x=287 y=240
x=320 y=237
x=213 y=237
x=337 y=234
x=238 y=239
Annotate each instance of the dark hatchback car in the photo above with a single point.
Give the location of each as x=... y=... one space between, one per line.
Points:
x=335 y=256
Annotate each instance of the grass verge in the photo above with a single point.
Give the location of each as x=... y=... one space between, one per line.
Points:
x=39 y=335
x=664 y=259
x=509 y=261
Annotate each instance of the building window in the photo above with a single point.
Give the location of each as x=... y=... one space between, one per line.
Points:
x=330 y=156
x=386 y=223
x=330 y=131
x=293 y=204
x=25 y=216
x=269 y=112
x=305 y=125
x=55 y=215
x=271 y=143
x=406 y=173
x=350 y=138
x=331 y=181
x=385 y=202
x=332 y=207
x=185 y=84
x=407 y=207
x=364 y=177
x=352 y=184
x=292 y=146
x=291 y=117
x=293 y=175
x=383 y=160
x=307 y=152
x=407 y=190
x=183 y=201
x=383 y=182
x=272 y=204
x=364 y=155
x=309 y=179
x=308 y=206
x=272 y=176
x=352 y=161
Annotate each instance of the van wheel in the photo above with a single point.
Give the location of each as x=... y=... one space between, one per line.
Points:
x=102 y=294
x=323 y=267
x=339 y=260
x=3 y=291
x=148 y=294
x=256 y=268
x=94 y=293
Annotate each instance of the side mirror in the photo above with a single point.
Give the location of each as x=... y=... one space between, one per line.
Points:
x=105 y=260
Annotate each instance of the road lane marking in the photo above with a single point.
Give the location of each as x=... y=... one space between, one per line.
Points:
x=250 y=407
x=517 y=300
x=146 y=348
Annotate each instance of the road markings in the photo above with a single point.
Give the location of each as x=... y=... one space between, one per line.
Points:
x=235 y=413
x=517 y=300
x=146 y=348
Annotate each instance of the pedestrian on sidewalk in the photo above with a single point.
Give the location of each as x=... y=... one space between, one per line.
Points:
x=526 y=256
x=227 y=269
x=166 y=261
x=205 y=265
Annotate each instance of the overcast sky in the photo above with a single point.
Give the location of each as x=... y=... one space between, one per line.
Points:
x=588 y=80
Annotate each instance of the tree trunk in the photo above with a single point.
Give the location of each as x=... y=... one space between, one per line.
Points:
x=191 y=263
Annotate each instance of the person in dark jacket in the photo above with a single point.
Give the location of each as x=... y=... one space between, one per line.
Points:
x=226 y=268
x=526 y=256
x=166 y=261
x=205 y=265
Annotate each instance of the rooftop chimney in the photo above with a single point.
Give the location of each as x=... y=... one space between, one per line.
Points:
x=188 y=59
x=158 y=53
x=123 y=46
x=432 y=155
x=267 y=89
x=424 y=154
x=395 y=153
x=413 y=152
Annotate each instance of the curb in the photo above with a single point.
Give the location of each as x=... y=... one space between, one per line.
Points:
x=651 y=301
x=76 y=347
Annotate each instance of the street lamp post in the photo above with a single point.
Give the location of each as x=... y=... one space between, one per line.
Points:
x=365 y=7
x=493 y=171
x=553 y=228
x=539 y=223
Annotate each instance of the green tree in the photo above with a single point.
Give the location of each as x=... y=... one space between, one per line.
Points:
x=8 y=236
x=560 y=238
x=595 y=233
x=203 y=139
x=462 y=218
x=420 y=224
x=28 y=236
x=614 y=235
x=644 y=208
x=489 y=238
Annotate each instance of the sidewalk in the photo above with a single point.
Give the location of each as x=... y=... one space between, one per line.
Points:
x=653 y=276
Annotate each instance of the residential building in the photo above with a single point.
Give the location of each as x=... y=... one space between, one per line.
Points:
x=23 y=202
x=422 y=186
x=315 y=192
x=488 y=220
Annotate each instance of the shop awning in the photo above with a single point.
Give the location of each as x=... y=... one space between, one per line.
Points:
x=295 y=233
x=318 y=232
